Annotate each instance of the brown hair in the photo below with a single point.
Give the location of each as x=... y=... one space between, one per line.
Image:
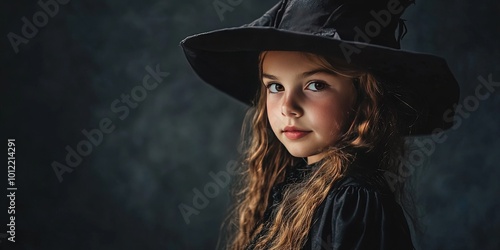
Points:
x=373 y=132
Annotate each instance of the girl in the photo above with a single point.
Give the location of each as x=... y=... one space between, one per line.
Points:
x=323 y=165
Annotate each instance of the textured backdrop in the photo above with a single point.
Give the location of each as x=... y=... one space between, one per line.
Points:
x=66 y=77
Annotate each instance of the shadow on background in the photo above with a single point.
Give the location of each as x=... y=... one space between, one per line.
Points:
x=99 y=170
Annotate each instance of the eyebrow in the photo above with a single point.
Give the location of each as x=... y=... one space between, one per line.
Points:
x=303 y=75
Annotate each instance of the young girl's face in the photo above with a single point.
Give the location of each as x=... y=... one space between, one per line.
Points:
x=307 y=104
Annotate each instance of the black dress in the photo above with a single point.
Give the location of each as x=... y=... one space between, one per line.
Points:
x=359 y=213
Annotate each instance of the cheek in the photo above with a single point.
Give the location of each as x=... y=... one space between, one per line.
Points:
x=271 y=113
x=330 y=117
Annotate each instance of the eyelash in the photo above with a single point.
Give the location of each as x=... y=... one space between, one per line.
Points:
x=269 y=85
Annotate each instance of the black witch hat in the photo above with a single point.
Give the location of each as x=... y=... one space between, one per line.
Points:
x=365 y=33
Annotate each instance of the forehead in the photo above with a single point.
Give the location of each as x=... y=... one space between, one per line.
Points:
x=287 y=61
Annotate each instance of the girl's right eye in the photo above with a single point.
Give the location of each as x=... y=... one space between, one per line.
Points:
x=275 y=87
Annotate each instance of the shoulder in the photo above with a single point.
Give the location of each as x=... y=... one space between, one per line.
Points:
x=360 y=193
x=360 y=212
x=361 y=188
x=371 y=181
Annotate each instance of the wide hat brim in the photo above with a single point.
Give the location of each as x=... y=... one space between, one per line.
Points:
x=228 y=59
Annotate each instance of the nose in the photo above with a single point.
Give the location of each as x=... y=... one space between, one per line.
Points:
x=291 y=105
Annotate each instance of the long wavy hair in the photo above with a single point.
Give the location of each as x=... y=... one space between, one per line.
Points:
x=372 y=131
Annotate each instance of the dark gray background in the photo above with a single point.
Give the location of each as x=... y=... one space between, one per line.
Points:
x=125 y=194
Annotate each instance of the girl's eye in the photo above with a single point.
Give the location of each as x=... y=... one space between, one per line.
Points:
x=275 y=87
x=316 y=86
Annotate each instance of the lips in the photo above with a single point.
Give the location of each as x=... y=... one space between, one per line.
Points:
x=294 y=133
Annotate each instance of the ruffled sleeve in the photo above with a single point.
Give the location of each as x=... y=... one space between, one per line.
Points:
x=357 y=215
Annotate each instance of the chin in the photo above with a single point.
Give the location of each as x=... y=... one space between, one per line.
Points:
x=299 y=153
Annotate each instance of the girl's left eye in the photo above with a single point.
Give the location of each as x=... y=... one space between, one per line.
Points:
x=316 y=86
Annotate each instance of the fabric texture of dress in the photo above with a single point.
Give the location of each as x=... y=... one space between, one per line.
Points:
x=359 y=213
